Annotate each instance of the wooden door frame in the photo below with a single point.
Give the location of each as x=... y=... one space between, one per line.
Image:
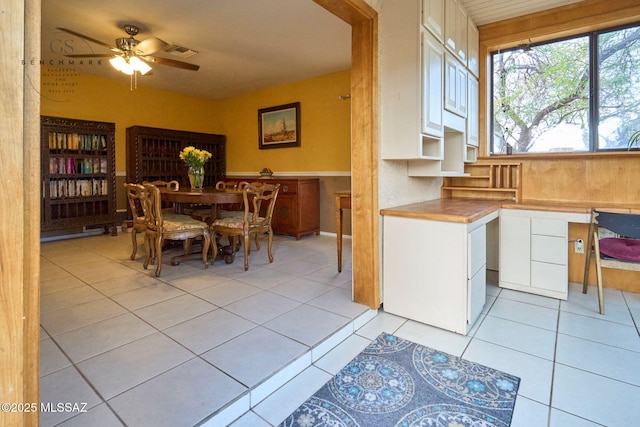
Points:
x=20 y=199
x=20 y=228
x=364 y=145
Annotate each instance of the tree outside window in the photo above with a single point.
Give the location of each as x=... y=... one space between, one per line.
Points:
x=572 y=95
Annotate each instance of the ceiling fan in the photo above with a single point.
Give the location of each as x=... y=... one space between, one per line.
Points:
x=131 y=56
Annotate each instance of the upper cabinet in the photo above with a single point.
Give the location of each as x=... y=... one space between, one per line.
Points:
x=433 y=17
x=473 y=47
x=433 y=79
x=401 y=81
x=473 y=119
x=456 y=75
x=455 y=29
x=424 y=101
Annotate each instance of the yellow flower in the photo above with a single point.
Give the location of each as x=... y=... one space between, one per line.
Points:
x=194 y=157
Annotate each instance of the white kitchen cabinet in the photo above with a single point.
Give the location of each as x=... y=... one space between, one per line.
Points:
x=416 y=125
x=473 y=112
x=437 y=275
x=476 y=272
x=473 y=48
x=432 y=83
x=515 y=250
x=401 y=82
x=455 y=29
x=534 y=251
x=455 y=82
x=433 y=17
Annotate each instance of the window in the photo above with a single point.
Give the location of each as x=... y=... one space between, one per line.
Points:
x=577 y=94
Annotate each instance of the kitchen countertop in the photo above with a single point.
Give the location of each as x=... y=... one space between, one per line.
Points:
x=450 y=210
x=465 y=210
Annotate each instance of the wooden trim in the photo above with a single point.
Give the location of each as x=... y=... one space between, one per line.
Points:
x=20 y=227
x=12 y=331
x=563 y=21
x=588 y=15
x=350 y=11
x=559 y=156
x=364 y=146
x=31 y=233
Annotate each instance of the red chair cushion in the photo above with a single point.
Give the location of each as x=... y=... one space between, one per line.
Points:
x=626 y=249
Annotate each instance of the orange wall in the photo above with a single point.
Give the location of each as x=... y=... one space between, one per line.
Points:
x=325 y=126
x=87 y=97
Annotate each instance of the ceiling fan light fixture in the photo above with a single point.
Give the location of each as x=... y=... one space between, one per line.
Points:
x=139 y=65
x=121 y=64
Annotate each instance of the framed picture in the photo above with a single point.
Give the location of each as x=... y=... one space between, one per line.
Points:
x=279 y=126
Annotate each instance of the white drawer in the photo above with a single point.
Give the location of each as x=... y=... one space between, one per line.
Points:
x=477 y=295
x=549 y=227
x=477 y=250
x=551 y=277
x=549 y=249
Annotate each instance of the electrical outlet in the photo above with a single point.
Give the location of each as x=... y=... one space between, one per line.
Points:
x=579 y=246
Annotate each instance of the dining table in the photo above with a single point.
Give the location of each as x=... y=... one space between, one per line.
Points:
x=207 y=196
x=185 y=197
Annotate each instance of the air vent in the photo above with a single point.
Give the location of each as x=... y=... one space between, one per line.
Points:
x=180 y=51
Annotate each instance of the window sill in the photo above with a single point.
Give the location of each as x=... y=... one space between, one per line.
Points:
x=558 y=156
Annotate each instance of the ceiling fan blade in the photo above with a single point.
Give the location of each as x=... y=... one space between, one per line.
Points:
x=91 y=39
x=171 y=63
x=91 y=55
x=150 y=46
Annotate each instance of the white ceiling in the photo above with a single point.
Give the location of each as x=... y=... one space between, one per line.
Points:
x=488 y=11
x=243 y=45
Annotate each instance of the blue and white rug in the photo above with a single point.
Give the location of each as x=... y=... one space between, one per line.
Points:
x=396 y=382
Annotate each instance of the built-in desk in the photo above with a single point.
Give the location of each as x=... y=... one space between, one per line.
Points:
x=434 y=261
x=434 y=258
x=534 y=243
x=534 y=250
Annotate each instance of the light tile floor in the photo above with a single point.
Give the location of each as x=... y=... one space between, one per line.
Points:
x=222 y=346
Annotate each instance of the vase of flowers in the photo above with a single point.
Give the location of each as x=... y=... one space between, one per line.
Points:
x=196 y=177
x=195 y=160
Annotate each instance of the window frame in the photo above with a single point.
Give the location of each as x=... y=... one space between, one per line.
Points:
x=592 y=113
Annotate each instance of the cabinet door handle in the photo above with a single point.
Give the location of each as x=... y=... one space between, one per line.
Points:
x=285 y=188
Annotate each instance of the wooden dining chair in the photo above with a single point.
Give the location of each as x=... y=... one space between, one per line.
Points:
x=227 y=209
x=622 y=251
x=161 y=227
x=259 y=202
x=135 y=195
x=238 y=212
x=172 y=185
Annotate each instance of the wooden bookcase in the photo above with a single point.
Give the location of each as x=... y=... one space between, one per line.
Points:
x=77 y=174
x=153 y=154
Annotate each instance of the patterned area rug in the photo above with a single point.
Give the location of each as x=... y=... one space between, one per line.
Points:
x=395 y=382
